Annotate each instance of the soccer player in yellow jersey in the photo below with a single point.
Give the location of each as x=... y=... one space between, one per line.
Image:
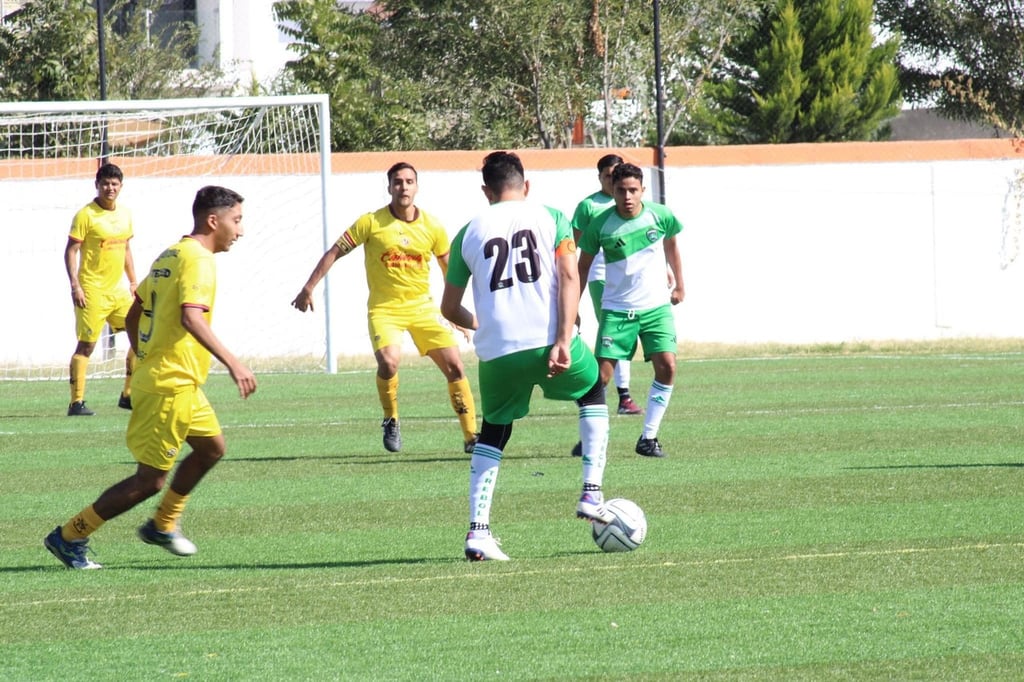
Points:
x=96 y=255
x=169 y=328
x=398 y=242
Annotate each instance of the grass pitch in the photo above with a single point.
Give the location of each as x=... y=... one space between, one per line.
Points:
x=839 y=513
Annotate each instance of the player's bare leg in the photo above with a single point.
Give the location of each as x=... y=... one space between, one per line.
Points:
x=163 y=529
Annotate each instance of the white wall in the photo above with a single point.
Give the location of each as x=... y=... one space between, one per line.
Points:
x=802 y=253
x=244 y=37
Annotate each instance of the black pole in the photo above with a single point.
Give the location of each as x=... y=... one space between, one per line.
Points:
x=102 y=45
x=659 y=95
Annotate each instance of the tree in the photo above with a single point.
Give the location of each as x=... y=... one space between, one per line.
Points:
x=963 y=56
x=694 y=37
x=809 y=72
x=497 y=73
x=47 y=55
x=466 y=74
x=343 y=54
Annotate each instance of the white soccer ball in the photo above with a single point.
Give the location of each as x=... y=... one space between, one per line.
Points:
x=626 y=532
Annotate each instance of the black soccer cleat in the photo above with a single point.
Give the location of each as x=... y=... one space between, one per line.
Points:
x=649 y=447
x=78 y=409
x=392 y=435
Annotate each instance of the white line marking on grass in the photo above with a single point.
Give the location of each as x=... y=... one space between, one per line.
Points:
x=391 y=580
x=875 y=408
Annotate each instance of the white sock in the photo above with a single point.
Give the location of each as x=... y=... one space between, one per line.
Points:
x=622 y=374
x=483 y=474
x=657 y=403
x=594 y=436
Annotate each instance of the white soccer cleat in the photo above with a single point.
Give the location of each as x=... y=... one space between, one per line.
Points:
x=591 y=507
x=174 y=542
x=482 y=546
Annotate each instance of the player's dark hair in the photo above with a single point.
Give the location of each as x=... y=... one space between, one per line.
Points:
x=212 y=198
x=627 y=170
x=502 y=171
x=401 y=165
x=607 y=161
x=109 y=170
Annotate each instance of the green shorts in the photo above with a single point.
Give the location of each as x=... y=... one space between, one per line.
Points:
x=506 y=383
x=619 y=330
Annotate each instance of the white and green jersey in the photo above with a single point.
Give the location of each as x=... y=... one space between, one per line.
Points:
x=634 y=255
x=586 y=210
x=509 y=250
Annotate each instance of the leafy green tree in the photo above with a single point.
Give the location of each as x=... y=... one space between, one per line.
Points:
x=694 y=36
x=809 y=72
x=963 y=56
x=342 y=54
x=49 y=52
x=495 y=73
x=621 y=36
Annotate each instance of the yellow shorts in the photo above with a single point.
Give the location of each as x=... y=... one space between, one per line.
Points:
x=423 y=321
x=102 y=306
x=161 y=422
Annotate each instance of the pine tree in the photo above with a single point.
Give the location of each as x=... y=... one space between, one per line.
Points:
x=809 y=72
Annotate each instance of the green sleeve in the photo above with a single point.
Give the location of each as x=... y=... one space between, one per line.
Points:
x=563 y=228
x=458 y=272
x=668 y=220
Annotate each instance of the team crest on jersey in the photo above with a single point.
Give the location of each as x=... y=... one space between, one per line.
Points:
x=652 y=235
x=606 y=342
x=171 y=453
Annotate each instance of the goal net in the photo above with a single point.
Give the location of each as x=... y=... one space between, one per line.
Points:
x=274 y=151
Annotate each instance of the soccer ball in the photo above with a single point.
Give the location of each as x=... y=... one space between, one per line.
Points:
x=626 y=532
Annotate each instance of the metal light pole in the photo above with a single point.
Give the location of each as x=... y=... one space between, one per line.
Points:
x=102 y=45
x=659 y=96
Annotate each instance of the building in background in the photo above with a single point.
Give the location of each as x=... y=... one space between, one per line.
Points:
x=242 y=36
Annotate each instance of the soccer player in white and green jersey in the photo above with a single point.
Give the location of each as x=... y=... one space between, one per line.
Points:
x=637 y=238
x=522 y=259
x=591 y=206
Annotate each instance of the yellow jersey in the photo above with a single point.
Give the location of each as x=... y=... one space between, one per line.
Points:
x=104 y=237
x=397 y=255
x=169 y=357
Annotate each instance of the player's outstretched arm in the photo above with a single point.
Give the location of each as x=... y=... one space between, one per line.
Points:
x=304 y=300
x=195 y=323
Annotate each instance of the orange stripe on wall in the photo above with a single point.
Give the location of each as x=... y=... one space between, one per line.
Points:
x=533 y=159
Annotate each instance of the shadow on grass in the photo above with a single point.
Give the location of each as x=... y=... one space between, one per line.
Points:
x=979 y=465
x=186 y=566
x=350 y=459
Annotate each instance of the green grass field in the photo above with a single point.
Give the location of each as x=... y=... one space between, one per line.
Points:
x=835 y=513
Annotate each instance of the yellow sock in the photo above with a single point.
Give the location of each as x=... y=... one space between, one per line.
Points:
x=462 y=402
x=129 y=369
x=169 y=511
x=83 y=525
x=79 y=364
x=387 y=389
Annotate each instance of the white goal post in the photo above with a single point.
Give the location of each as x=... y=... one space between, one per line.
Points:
x=275 y=151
